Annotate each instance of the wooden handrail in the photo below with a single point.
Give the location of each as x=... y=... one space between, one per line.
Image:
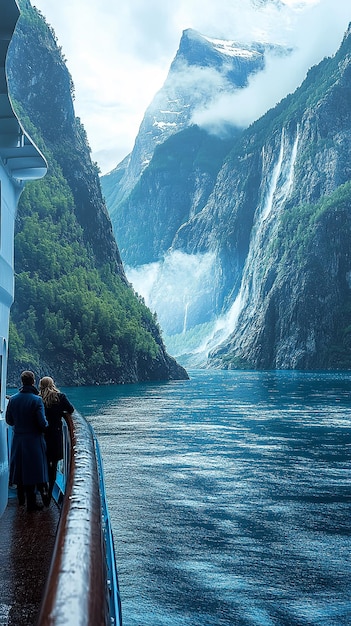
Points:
x=76 y=590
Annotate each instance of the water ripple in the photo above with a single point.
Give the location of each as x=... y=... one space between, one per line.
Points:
x=230 y=497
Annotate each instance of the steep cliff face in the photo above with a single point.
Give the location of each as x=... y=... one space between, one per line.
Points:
x=292 y=307
x=172 y=189
x=40 y=82
x=75 y=315
x=202 y=68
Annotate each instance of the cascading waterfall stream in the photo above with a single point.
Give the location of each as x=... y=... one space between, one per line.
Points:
x=186 y=308
x=268 y=204
x=279 y=188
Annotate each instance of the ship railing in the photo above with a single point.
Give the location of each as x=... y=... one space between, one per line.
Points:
x=113 y=585
x=82 y=586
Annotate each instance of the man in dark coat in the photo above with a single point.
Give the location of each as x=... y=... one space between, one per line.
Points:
x=28 y=467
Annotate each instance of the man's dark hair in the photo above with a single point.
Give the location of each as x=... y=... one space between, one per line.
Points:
x=27 y=378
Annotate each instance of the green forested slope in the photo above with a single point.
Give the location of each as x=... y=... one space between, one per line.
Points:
x=75 y=317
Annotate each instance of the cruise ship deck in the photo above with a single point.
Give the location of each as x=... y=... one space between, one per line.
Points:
x=26 y=546
x=58 y=565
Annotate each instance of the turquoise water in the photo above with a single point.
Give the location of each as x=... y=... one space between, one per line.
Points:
x=229 y=497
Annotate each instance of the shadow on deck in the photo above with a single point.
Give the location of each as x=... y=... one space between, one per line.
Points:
x=26 y=547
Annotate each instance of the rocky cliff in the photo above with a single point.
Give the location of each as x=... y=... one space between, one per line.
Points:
x=293 y=300
x=202 y=69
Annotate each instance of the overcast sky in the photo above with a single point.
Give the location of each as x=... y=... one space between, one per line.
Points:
x=119 y=53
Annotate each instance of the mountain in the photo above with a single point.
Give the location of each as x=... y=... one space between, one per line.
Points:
x=203 y=67
x=255 y=274
x=292 y=307
x=75 y=315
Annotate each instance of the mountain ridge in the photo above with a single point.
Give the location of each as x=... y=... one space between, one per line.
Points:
x=263 y=307
x=200 y=66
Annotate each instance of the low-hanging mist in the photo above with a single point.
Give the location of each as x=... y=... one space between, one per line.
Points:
x=182 y=290
x=179 y=288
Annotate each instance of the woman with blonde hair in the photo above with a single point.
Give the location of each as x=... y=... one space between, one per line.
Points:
x=56 y=405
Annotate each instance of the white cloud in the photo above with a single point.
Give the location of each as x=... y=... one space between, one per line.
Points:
x=119 y=53
x=281 y=76
x=180 y=287
x=315 y=31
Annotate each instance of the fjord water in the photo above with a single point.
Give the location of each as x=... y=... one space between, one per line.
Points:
x=229 y=496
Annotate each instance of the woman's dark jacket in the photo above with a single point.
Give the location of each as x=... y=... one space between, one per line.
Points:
x=25 y=412
x=53 y=433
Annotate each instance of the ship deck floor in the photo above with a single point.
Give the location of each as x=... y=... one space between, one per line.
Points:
x=26 y=546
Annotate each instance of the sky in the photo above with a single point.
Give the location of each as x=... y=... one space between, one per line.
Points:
x=119 y=54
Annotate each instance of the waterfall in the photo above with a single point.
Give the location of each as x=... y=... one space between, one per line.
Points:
x=186 y=308
x=267 y=207
x=222 y=328
x=282 y=177
x=279 y=187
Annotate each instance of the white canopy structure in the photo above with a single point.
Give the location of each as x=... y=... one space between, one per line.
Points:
x=19 y=155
